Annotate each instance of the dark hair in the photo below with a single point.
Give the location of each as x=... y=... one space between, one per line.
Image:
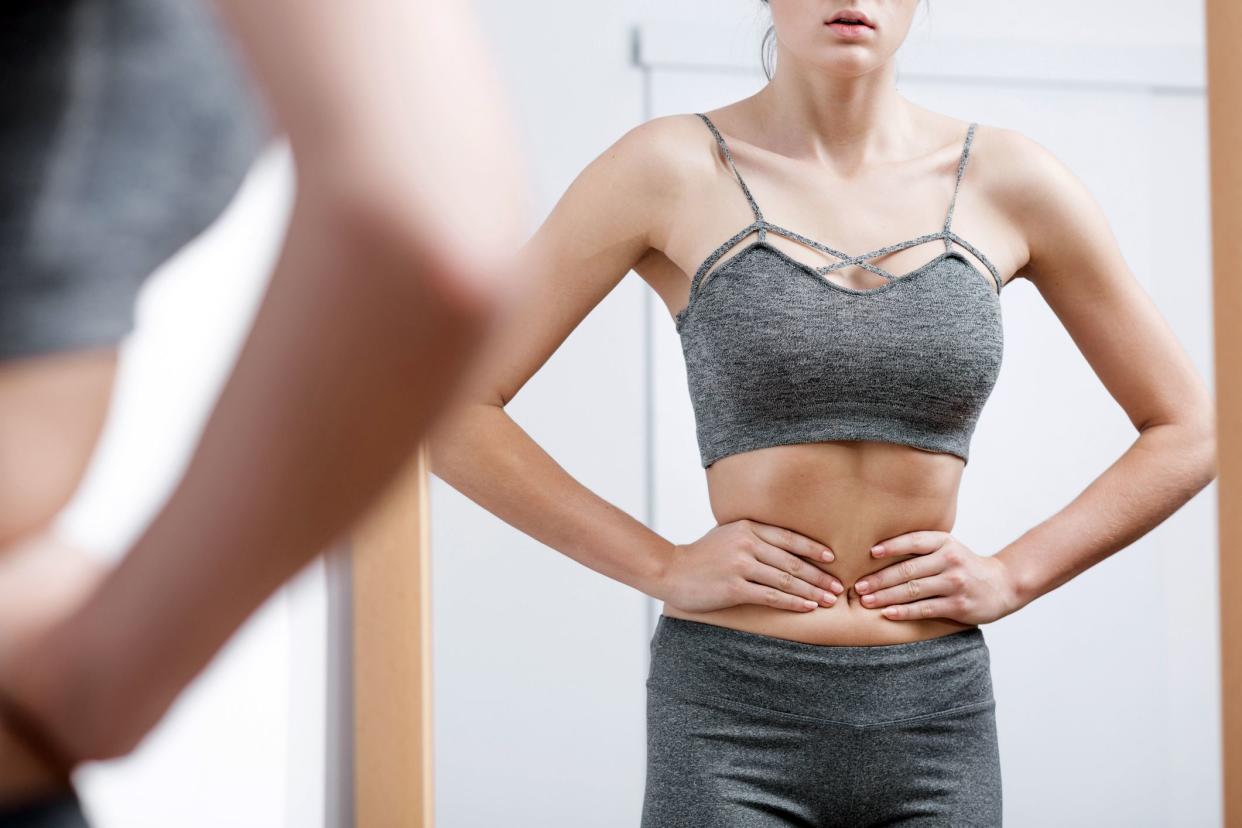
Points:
x=767 y=48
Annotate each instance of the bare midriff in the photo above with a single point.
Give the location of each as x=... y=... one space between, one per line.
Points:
x=847 y=495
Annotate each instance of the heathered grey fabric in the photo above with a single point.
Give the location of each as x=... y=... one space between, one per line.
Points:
x=777 y=354
x=752 y=731
x=125 y=128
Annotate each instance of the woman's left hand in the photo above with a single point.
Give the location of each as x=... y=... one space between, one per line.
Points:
x=946 y=580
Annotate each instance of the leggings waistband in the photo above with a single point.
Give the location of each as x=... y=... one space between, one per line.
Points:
x=857 y=685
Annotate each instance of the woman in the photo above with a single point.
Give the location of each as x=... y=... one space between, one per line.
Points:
x=820 y=658
x=155 y=123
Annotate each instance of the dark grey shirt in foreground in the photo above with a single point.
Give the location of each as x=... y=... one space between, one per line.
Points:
x=126 y=126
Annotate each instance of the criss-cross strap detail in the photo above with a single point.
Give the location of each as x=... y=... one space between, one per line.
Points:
x=760 y=224
x=978 y=254
x=862 y=260
x=715 y=255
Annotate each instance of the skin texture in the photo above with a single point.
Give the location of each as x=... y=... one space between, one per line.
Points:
x=830 y=149
x=384 y=291
x=54 y=409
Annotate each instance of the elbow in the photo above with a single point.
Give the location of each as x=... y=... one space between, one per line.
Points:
x=1200 y=450
x=449 y=278
x=1209 y=465
x=378 y=229
x=1189 y=443
x=457 y=439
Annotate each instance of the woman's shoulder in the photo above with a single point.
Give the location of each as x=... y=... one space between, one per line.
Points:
x=657 y=165
x=1015 y=167
x=1030 y=185
x=999 y=145
x=669 y=147
x=670 y=132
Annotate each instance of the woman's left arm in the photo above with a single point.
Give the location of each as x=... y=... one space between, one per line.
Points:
x=1076 y=264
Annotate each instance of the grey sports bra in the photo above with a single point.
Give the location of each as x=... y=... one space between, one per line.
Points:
x=777 y=354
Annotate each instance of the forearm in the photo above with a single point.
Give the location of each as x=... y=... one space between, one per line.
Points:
x=386 y=280
x=350 y=356
x=1163 y=469
x=480 y=451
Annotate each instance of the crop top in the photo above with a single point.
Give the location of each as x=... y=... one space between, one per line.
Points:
x=778 y=354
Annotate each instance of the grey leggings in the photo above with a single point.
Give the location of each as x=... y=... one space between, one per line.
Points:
x=750 y=730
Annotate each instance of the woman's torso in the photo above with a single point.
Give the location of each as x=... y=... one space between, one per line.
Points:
x=846 y=494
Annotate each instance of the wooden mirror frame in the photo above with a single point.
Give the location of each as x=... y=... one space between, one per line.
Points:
x=392 y=658
x=1224 y=88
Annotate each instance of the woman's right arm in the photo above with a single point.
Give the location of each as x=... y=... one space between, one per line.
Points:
x=619 y=209
x=384 y=284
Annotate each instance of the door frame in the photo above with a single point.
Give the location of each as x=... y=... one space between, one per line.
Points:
x=1224 y=68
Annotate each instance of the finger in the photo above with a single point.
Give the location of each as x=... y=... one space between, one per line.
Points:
x=791 y=563
x=919 y=542
x=900 y=572
x=921 y=610
x=913 y=590
x=772 y=597
x=762 y=573
x=793 y=542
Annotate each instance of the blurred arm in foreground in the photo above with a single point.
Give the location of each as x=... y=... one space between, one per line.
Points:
x=398 y=256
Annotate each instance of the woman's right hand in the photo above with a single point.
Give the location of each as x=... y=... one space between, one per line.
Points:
x=747 y=562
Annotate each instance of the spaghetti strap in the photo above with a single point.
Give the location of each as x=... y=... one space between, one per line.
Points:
x=760 y=224
x=961 y=168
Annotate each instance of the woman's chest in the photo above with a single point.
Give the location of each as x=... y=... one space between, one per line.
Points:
x=769 y=333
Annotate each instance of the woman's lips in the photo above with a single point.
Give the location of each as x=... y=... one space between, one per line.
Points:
x=851 y=31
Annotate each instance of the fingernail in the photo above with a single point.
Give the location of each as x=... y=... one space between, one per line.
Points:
x=862 y=586
x=868 y=599
x=878 y=549
x=810 y=604
x=827 y=554
x=838 y=587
